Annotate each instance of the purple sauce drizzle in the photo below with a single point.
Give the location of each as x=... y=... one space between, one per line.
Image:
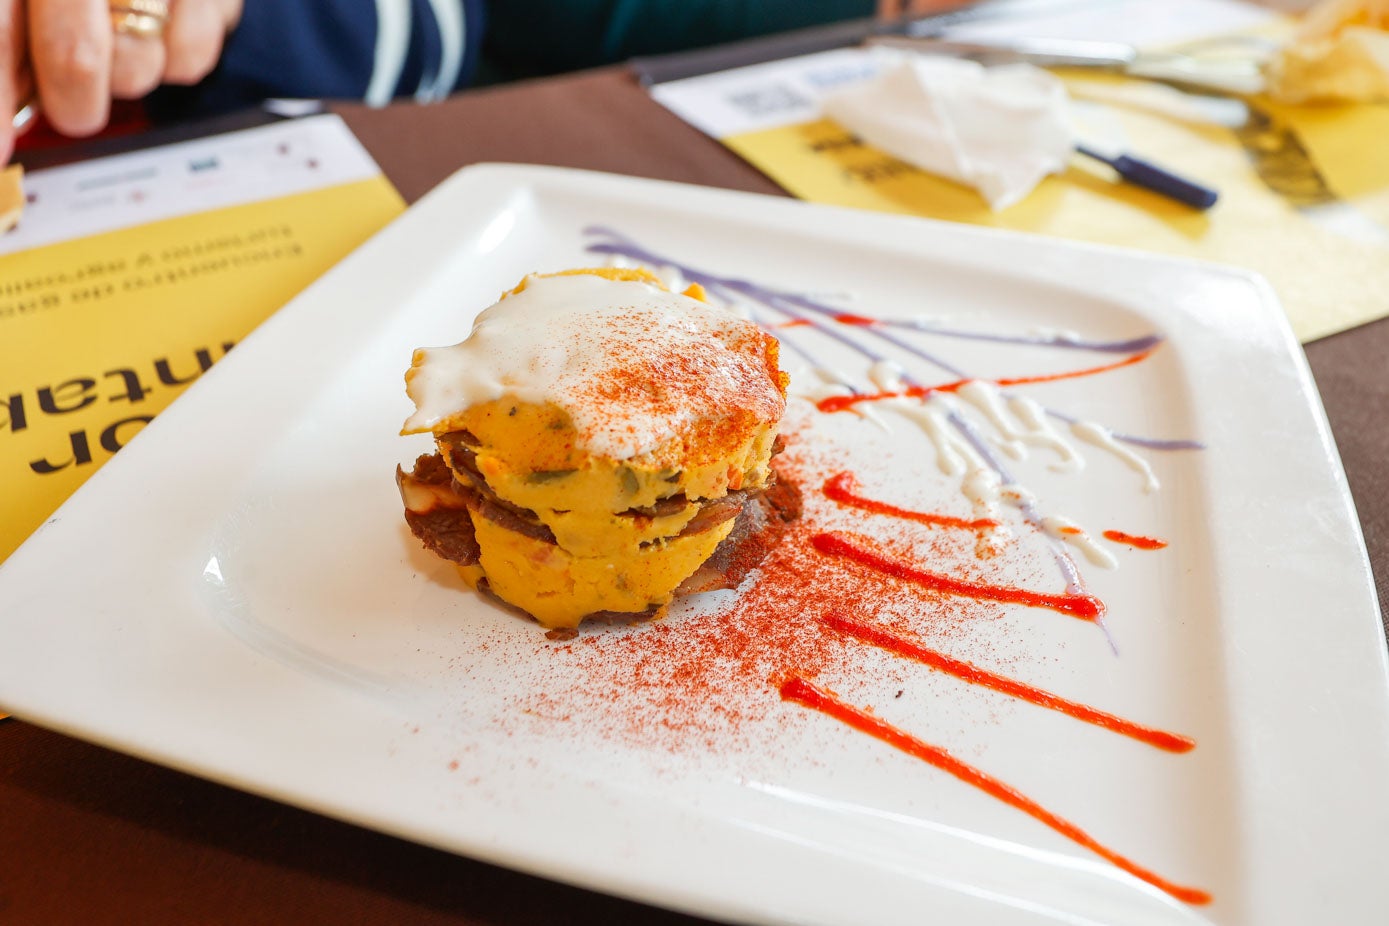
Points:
x=799 y=308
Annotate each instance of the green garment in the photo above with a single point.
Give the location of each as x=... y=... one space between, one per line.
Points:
x=525 y=38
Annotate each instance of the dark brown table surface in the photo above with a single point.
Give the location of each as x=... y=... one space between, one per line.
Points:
x=90 y=836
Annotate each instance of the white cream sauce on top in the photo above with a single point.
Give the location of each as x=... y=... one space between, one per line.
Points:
x=632 y=364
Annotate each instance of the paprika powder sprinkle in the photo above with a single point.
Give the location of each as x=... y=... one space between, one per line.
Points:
x=696 y=682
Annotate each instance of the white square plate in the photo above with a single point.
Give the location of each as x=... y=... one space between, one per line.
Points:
x=235 y=595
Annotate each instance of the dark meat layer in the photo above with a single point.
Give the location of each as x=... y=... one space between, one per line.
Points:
x=507 y=515
x=479 y=495
x=782 y=501
x=672 y=504
x=443 y=525
x=758 y=529
x=716 y=512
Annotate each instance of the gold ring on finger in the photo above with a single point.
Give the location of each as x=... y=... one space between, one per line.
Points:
x=143 y=19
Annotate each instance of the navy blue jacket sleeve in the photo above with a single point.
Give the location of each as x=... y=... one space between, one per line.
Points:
x=371 y=50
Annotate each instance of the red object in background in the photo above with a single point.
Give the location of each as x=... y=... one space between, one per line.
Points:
x=127 y=118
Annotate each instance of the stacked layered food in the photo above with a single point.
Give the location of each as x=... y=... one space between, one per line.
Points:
x=601 y=443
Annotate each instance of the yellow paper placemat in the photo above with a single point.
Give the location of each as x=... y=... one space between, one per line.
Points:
x=99 y=334
x=1327 y=281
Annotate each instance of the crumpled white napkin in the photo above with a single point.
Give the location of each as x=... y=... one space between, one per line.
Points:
x=999 y=129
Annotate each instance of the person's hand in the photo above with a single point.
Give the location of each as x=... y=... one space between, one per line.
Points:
x=82 y=53
x=15 y=82
x=81 y=62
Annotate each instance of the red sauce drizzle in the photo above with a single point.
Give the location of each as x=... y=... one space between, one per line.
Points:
x=1172 y=742
x=847 y=319
x=1133 y=540
x=838 y=403
x=794 y=323
x=1085 y=607
x=809 y=695
x=1076 y=374
x=841 y=488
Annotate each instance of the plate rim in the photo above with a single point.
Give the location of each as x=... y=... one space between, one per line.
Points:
x=584 y=182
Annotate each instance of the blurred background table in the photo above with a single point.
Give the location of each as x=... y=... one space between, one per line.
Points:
x=90 y=836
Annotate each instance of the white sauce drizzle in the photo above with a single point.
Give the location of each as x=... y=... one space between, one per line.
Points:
x=1017 y=496
x=985 y=397
x=981 y=486
x=833 y=378
x=672 y=279
x=1068 y=531
x=886 y=376
x=1039 y=433
x=1016 y=421
x=954 y=455
x=1101 y=437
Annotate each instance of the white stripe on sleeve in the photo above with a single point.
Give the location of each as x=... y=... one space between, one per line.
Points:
x=452 y=32
x=392 y=44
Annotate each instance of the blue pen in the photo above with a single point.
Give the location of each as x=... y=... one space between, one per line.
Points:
x=1150 y=176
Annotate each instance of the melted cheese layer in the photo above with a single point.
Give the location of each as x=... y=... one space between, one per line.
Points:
x=560 y=589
